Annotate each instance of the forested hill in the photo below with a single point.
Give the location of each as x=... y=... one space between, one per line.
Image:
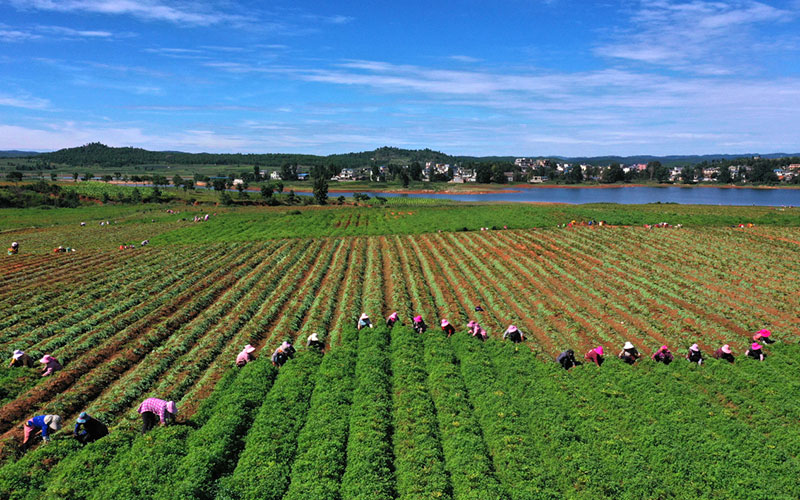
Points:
x=96 y=154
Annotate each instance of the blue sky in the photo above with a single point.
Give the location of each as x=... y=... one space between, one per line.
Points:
x=506 y=77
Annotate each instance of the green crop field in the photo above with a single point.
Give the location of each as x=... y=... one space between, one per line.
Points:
x=388 y=413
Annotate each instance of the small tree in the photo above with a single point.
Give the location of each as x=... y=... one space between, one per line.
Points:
x=256 y=173
x=136 y=196
x=240 y=188
x=320 y=186
x=105 y=199
x=156 y=196
x=87 y=176
x=225 y=198
x=188 y=184
x=75 y=176
x=279 y=187
x=292 y=198
x=107 y=178
x=266 y=191
x=14 y=176
x=177 y=180
x=53 y=176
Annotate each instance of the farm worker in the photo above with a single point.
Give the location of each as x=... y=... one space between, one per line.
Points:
x=725 y=353
x=20 y=359
x=447 y=328
x=662 y=355
x=513 y=334
x=764 y=336
x=43 y=424
x=567 y=359
x=476 y=330
x=154 y=407
x=51 y=365
x=14 y=248
x=288 y=348
x=245 y=356
x=755 y=352
x=145 y=242
x=279 y=357
x=629 y=354
x=122 y=247
x=364 y=321
x=419 y=324
x=314 y=341
x=392 y=319
x=694 y=355
x=595 y=355
x=88 y=429
x=478 y=309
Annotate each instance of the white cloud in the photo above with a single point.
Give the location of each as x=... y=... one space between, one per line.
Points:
x=464 y=59
x=703 y=37
x=24 y=101
x=187 y=14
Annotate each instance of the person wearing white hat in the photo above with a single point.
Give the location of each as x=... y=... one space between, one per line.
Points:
x=314 y=341
x=245 y=356
x=40 y=423
x=20 y=359
x=629 y=353
x=694 y=355
x=14 y=248
x=363 y=321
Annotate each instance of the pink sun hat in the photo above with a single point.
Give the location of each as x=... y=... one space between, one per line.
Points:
x=764 y=332
x=599 y=350
x=445 y=322
x=249 y=348
x=755 y=346
x=694 y=347
x=663 y=348
x=46 y=359
x=470 y=324
x=171 y=407
x=726 y=349
x=417 y=318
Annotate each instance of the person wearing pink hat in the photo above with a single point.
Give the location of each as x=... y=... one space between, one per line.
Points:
x=448 y=328
x=513 y=334
x=755 y=352
x=154 y=407
x=51 y=365
x=629 y=353
x=595 y=355
x=419 y=324
x=476 y=330
x=392 y=319
x=663 y=355
x=724 y=353
x=763 y=335
x=694 y=355
x=19 y=359
x=245 y=356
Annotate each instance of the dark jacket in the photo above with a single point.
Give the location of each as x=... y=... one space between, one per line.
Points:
x=93 y=427
x=719 y=354
x=567 y=359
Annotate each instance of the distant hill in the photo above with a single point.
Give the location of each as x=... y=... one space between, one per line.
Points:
x=18 y=154
x=669 y=160
x=96 y=154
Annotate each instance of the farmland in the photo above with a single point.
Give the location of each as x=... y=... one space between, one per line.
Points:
x=388 y=413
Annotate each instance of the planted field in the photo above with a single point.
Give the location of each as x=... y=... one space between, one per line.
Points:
x=387 y=413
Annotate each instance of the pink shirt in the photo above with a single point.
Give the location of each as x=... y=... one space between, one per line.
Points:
x=155 y=405
x=51 y=366
x=243 y=358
